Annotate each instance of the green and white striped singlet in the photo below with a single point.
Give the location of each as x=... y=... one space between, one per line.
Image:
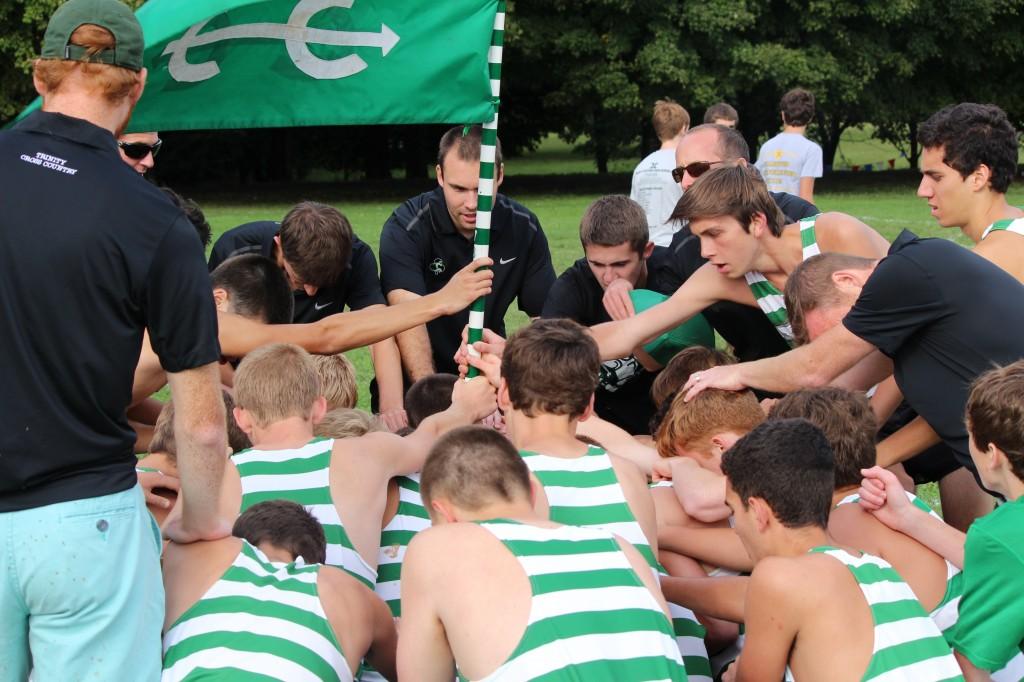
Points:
x=908 y=646
x=946 y=613
x=585 y=492
x=410 y=519
x=1009 y=225
x=260 y=621
x=302 y=475
x=591 y=617
x=768 y=297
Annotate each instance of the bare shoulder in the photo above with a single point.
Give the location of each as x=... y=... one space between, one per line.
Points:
x=627 y=471
x=369 y=448
x=843 y=233
x=791 y=580
x=197 y=556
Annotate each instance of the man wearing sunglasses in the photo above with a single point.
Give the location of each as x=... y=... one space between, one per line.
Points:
x=139 y=150
x=746 y=329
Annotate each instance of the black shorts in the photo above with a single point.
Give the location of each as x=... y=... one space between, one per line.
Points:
x=929 y=466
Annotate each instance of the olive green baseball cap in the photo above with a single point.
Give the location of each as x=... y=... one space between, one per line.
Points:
x=112 y=15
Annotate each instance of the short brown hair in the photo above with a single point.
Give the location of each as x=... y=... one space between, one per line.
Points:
x=669 y=119
x=681 y=366
x=428 y=396
x=721 y=110
x=551 y=366
x=316 y=240
x=276 y=382
x=337 y=380
x=114 y=83
x=846 y=419
x=692 y=424
x=613 y=220
x=810 y=287
x=473 y=466
x=798 y=107
x=466 y=140
x=286 y=525
x=995 y=413
x=163 y=440
x=735 y=191
x=347 y=422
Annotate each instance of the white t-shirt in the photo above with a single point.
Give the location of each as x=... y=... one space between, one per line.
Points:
x=655 y=190
x=786 y=158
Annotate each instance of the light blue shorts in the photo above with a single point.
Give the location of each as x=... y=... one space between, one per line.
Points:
x=81 y=596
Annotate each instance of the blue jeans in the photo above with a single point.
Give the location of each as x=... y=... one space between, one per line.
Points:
x=81 y=597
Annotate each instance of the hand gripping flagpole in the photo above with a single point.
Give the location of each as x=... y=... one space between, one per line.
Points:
x=485 y=198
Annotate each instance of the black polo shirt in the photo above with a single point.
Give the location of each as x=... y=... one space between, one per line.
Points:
x=90 y=255
x=623 y=395
x=745 y=328
x=944 y=315
x=420 y=250
x=357 y=288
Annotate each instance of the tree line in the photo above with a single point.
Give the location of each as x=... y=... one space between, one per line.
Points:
x=590 y=71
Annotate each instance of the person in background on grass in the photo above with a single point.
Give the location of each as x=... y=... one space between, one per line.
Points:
x=538 y=599
x=260 y=604
x=653 y=187
x=722 y=114
x=789 y=161
x=989 y=635
x=82 y=598
x=815 y=610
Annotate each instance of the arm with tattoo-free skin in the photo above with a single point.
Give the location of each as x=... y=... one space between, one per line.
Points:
x=813 y=365
x=413 y=344
x=344 y=331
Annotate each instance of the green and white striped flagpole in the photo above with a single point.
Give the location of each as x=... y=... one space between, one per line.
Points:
x=485 y=198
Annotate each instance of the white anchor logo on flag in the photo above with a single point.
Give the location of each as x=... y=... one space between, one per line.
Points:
x=296 y=35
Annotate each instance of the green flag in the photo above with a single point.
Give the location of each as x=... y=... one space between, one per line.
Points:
x=234 y=64
x=278 y=63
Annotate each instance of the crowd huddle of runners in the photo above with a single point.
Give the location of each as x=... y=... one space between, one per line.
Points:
x=611 y=498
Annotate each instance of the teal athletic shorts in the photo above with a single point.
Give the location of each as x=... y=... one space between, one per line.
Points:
x=81 y=596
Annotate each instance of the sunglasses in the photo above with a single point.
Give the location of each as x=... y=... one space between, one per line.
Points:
x=139 y=150
x=695 y=169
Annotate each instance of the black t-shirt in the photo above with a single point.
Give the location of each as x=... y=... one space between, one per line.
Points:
x=357 y=288
x=623 y=396
x=420 y=250
x=90 y=255
x=745 y=328
x=944 y=315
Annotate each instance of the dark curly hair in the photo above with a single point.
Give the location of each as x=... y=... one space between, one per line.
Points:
x=974 y=134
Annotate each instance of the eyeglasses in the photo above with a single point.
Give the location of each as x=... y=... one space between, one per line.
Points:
x=139 y=150
x=695 y=169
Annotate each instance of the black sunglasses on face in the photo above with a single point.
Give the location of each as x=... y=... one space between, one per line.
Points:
x=695 y=169
x=139 y=150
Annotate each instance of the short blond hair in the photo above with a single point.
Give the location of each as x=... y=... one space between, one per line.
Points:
x=691 y=425
x=346 y=422
x=337 y=380
x=113 y=82
x=669 y=119
x=277 y=382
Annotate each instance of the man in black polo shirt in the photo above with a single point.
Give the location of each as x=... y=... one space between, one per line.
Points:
x=330 y=269
x=430 y=237
x=616 y=246
x=91 y=256
x=746 y=329
x=942 y=314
